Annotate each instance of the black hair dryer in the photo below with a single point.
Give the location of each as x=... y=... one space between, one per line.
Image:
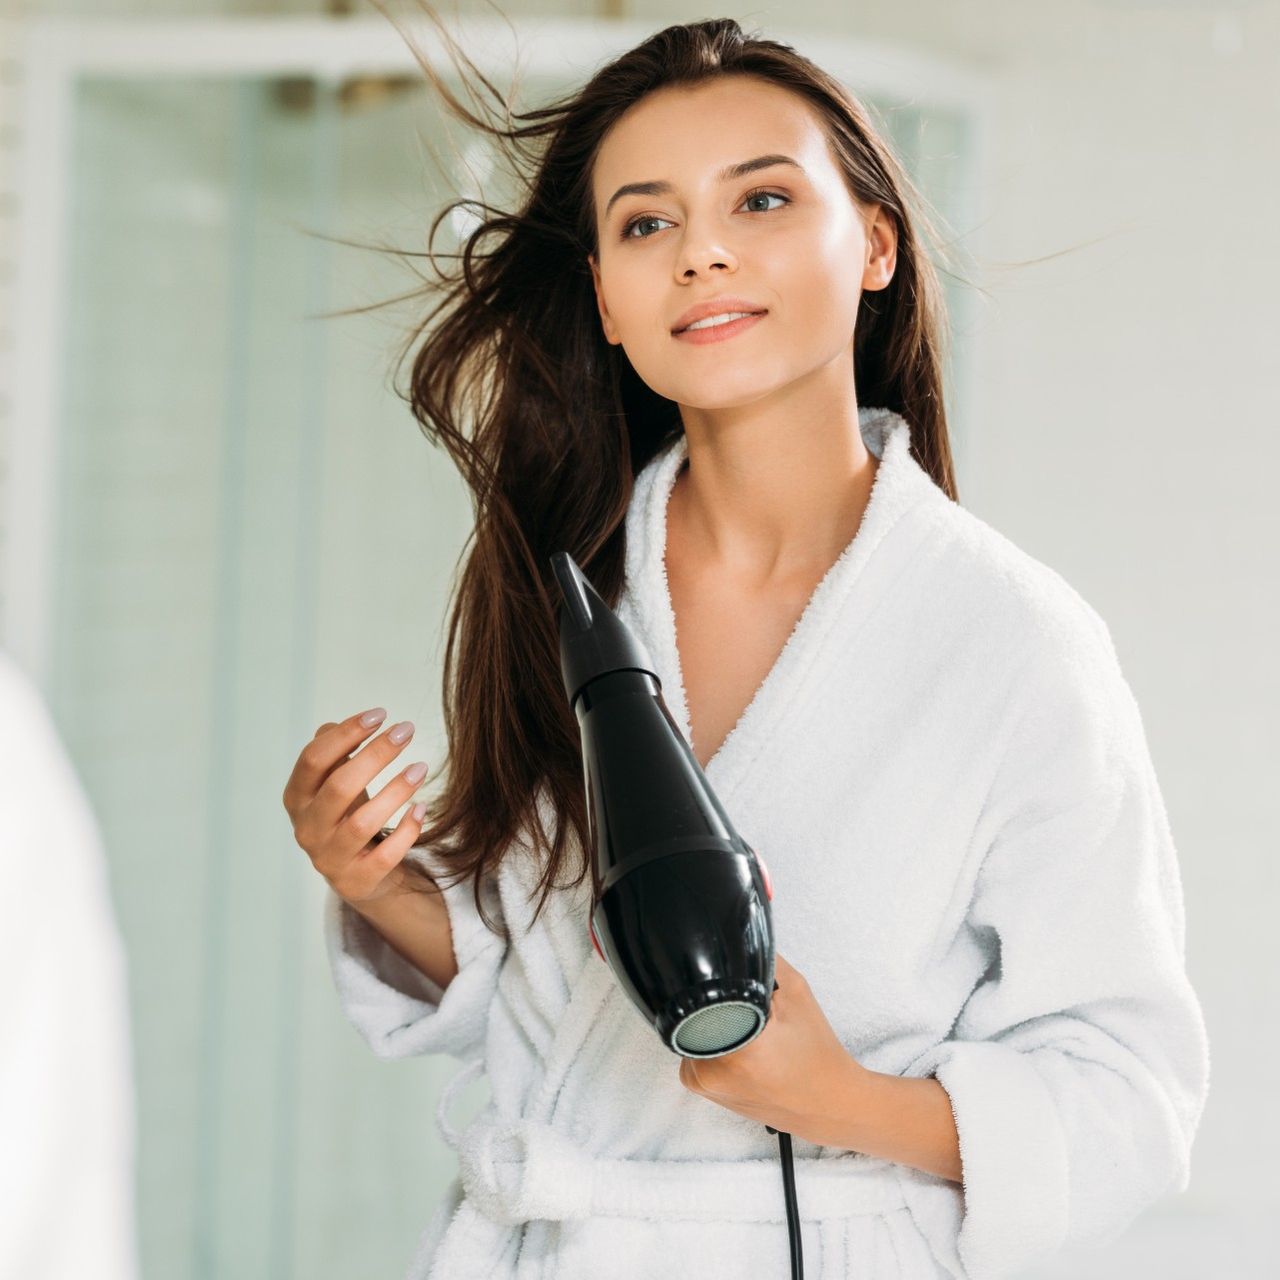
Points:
x=681 y=902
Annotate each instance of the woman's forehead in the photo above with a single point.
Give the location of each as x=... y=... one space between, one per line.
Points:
x=728 y=111
x=681 y=136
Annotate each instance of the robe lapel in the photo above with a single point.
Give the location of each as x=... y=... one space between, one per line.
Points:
x=900 y=483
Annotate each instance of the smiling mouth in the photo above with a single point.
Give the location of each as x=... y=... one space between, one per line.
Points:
x=716 y=322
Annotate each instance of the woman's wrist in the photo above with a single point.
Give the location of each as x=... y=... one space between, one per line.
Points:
x=908 y=1120
x=415 y=923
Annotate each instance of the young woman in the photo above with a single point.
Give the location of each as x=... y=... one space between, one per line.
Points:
x=709 y=344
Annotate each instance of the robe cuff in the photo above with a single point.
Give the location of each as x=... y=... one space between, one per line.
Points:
x=396 y=1008
x=1014 y=1155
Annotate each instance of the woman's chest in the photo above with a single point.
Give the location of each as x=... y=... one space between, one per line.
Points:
x=729 y=642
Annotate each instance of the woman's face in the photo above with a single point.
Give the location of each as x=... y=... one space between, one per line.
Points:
x=789 y=239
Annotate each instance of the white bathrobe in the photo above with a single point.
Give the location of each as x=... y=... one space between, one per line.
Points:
x=948 y=777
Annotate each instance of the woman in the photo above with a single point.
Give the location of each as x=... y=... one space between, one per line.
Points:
x=984 y=1043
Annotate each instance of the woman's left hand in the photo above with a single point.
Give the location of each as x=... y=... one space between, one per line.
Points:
x=795 y=1075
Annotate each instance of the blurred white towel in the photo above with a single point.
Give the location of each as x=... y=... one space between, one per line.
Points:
x=66 y=1083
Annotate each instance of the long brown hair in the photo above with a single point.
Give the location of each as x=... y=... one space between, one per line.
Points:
x=548 y=423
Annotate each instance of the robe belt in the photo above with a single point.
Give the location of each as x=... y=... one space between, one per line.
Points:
x=516 y=1170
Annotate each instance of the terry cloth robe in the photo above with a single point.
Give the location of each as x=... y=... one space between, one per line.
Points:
x=948 y=777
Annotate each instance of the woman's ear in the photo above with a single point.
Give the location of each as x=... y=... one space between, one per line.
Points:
x=882 y=249
x=605 y=322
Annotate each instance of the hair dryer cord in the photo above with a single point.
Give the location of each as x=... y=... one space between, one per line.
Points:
x=789 y=1194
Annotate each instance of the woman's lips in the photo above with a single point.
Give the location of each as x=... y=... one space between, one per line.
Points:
x=719 y=332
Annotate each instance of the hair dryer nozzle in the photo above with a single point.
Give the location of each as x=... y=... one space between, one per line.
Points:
x=593 y=640
x=573 y=586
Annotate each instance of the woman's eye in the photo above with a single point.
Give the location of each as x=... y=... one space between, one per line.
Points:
x=638 y=222
x=643 y=218
x=765 y=195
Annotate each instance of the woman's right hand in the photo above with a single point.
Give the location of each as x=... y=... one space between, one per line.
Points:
x=334 y=820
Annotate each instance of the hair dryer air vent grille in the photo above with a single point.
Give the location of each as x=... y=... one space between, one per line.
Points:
x=717 y=1028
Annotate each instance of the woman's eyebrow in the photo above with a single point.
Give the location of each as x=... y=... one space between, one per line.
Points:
x=739 y=170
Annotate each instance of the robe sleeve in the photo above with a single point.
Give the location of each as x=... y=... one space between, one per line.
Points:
x=400 y=1011
x=1078 y=1067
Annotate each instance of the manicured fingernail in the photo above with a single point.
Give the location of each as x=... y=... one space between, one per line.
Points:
x=401 y=732
x=417 y=812
x=416 y=772
x=376 y=716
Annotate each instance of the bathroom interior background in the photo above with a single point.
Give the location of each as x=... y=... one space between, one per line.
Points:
x=246 y=533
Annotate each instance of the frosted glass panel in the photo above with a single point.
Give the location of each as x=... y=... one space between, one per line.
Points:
x=254 y=537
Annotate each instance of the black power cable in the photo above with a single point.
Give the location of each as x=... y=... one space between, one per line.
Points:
x=789 y=1194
